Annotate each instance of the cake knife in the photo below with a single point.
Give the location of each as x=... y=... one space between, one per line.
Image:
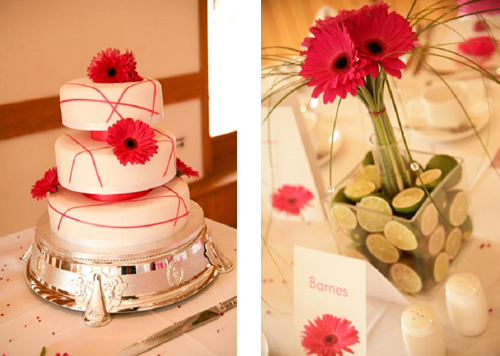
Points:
x=178 y=328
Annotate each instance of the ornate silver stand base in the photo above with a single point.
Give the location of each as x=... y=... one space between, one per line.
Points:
x=129 y=279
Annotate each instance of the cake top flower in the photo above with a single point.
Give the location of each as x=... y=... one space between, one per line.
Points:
x=48 y=183
x=133 y=141
x=184 y=169
x=110 y=66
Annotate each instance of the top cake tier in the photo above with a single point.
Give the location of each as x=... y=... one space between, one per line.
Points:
x=90 y=106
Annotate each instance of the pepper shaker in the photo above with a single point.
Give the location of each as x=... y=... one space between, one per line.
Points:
x=466 y=304
x=422 y=332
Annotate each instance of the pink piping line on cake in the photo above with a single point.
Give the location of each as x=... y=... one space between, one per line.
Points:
x=91 y=156
x=171 y=151
x=179 y=199
x=65 y=214
x=115 y=106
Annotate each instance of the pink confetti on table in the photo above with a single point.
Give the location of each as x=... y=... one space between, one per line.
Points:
x=53 y=333
x=8 y=305
x=2 y=314
x=268 y=312
x=489 y=245
x=482 y=246
x=264 y=280
x=271 y=280
x=217 y=330
x=221 y=314
x=490 y=310
x=179 y=306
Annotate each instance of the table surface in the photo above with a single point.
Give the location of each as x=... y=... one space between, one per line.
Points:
x=383 y=319
x=27 y=322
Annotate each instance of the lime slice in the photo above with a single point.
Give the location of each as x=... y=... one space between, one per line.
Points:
x=355 y=254
x=458 y=209
x=400 y=236
x=430 y=179
x=381 y=249
x=453 y=243
x=369 y=173
x=467 y=228
x=406 y=278
x=345 y=217
x=409 y=200
x=368 y=158
x=359 y=189
x=429 y=219
x=436 y=240
x=374 y=213
x=443 y=162
x=441 y=266
x=358 y=235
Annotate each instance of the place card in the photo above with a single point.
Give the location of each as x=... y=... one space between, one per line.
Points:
x=330 y=301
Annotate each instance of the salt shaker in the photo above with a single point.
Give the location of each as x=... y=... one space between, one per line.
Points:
x=422 y=332
x=466 y=304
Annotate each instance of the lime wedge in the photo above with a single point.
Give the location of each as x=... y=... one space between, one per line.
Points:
x=406 y=278
x=368 y=158
x=345 y=217
x=357 y=190
x=443 y=162
x=400 y=236
x=374 y=213
x=436 y=240
x=441 y=266
x=453 y=243
x=429 y=219
x=369 y=173
x=458 y=209
x=467 y=228
x=381 y=249
x=409 y=200
x=340 y=197
x=430 y=179
x=358 y=235
x=355 y=254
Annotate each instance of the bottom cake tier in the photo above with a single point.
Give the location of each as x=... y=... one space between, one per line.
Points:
x=99 y=281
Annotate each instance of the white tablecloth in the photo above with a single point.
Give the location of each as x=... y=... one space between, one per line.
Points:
x=383 y=320
x=27 y=322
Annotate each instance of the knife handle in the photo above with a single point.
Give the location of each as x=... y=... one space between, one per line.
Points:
x=228 y=304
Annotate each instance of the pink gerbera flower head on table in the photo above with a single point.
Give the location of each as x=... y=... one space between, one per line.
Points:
x=291 y=199
x=331 y=62
x=48 y=183
x=329 y=336
x=133 y=141
x=184 y=170
x=110 y=66
x=381 y=37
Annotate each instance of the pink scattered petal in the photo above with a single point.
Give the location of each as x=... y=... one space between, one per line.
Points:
x=217 y=330
x=268 y=312
x=264 y=280
x=490 y=310
x=482 y=246
x=271 y=280
x=178 y=306
x=489 y=245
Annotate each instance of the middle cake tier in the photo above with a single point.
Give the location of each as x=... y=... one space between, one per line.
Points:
x=85 y=221
x=88 y=166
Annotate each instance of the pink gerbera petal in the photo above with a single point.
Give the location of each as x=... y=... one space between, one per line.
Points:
x=478 y=46
x=48 y=183
x=331 y=61
x=329 y=336
x=291 y=199
x=379 y=35
x=110 y=66
x=184 y=169
x=133 y=141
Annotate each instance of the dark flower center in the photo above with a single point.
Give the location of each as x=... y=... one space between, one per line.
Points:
x=111 y=72
x=291 y=200
x=331 y=339
x=130 y=143
x=375 y=47
x=341 y=62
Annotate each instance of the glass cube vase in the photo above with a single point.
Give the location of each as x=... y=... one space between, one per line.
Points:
x=417 y=251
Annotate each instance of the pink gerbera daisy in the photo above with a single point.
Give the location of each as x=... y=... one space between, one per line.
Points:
x=48 y=183
x=329 y=336
x=291 y=199
x=331 y=62
x=110 y=66
x=381 y=37
x=184 y=169
x=133 y=141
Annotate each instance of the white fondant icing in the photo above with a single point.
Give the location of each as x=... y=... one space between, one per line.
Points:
x=84 y=221
x=88 y=166
x=86 y=105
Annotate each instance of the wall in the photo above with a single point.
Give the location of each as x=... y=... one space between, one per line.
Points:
x=45 y=44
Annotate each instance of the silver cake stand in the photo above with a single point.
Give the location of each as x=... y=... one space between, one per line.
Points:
x=129 y=279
